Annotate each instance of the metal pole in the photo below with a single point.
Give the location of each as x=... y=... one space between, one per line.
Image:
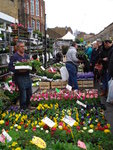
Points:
x=45 y=45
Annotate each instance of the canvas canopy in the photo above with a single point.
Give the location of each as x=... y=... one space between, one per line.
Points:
x=68 y=36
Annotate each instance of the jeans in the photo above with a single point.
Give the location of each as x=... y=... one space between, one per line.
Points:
x=105 y=78
x=72 y=70
x=25 y=89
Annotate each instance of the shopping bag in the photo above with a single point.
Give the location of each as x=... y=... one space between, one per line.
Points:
x=110 y=92
x=64 y=73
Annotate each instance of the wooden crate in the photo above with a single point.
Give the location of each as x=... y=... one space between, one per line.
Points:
x=80 y=82
x=44 y=85
x=58 y=84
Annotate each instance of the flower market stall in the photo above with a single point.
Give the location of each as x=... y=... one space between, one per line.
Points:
x=60 y=120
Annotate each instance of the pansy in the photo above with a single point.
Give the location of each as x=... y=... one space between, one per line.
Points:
x=1 y=121
x=90 y=131
x=14 y=144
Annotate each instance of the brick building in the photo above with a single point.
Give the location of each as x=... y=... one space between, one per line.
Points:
x=32 y=14
x=9 y=10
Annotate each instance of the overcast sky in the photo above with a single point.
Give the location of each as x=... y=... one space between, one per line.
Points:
x=90 y=16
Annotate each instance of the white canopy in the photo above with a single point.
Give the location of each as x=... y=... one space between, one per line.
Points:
x=68 y=36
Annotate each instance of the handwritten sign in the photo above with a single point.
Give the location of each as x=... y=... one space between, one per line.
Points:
x=42 y=68
x=7 y=87
x=80 y=103
x=38 y=142
x=48 y=121
x=2 y=138
x=7 y=136
x=81 y=144
x=70 y=121
x=68 y=87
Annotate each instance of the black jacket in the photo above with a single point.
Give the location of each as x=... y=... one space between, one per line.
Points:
x=110 y=61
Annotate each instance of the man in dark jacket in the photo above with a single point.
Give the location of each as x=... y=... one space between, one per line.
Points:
x=22 y=78
x=105 y=59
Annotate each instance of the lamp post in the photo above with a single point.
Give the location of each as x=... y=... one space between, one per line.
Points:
x=45 y=44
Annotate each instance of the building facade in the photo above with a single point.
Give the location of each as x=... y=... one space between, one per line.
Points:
x=32 y=14
x=9 y=7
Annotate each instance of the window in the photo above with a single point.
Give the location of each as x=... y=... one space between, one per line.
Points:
x=37 y=7
x=33 y=24
x=41 y=8
x=32 y=7
x=38 y=25
x=27 y=7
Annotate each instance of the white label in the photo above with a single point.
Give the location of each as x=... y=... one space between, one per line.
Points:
x=42 y=68
x=80 y=103
x=48 y=121
x=7 y=87
x=52 y=69
x=68 y=87
x=9 y=138
x=70 y=121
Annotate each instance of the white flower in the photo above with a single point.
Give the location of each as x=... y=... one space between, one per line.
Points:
x=47 y=131
x=41 y=128
x=37 y=126
x=90 y=131
x=15 y=125
x=84 y=128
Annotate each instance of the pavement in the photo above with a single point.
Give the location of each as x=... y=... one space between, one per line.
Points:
x=108 y=112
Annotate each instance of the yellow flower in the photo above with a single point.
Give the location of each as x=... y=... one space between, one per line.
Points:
x=108 y=125
x=76 y=123
x=60 y=127
x=18 y=148
x=55 y=125
x=3 y=115
x=1 y=121
x=91 y=126
x=84 y=128
x=26 y=130
x=14 y=144
x=19 y=127
x=106 y=131
x=11 y=127
x=35 y=122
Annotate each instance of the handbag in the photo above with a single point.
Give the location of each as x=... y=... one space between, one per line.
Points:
x=98 y=66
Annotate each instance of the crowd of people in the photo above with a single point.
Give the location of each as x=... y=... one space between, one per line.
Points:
x=100 y=54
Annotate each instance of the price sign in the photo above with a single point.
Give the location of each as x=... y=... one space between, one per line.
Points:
x=9 y=138
x=68 y=87
x=42 y=68
x=70 y=121
x=38 y=142
x=80 y=103
x=48 y=121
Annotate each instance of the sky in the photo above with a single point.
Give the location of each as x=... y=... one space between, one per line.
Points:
x=90 y=16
